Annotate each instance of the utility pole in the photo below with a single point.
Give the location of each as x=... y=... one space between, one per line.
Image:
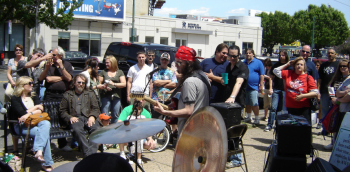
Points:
x=313 y=33
x=133 y=21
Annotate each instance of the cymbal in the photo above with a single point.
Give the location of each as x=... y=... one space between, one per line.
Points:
x=202 y=145
x=120 y=133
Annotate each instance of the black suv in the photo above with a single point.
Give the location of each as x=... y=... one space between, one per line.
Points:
x=125 y=52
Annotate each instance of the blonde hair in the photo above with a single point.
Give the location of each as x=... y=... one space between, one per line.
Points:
x=299 y=59
x=20 y=82
x=114 y=62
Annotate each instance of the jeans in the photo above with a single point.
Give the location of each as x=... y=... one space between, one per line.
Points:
x=111 y=104
x=79 y=128
x=252 y=98
x=277 y=96
x=41 y=134
x=325 y=104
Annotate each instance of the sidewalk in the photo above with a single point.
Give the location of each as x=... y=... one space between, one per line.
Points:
x=256 y=142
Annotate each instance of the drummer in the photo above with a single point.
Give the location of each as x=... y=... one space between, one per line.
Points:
x=132 y=112
x=195 y=87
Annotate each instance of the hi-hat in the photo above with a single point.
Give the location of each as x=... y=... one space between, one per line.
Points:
x=120 y=133
x=202 y=145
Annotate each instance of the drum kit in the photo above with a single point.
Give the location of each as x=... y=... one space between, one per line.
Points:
x=202 y=144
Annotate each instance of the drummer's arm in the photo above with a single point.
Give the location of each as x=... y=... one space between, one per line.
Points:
x=181 y=113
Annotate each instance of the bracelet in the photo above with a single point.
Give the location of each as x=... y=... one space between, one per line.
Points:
x=31 y=113
x=63 y=68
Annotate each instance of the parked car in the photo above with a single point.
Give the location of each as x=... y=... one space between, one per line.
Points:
x=77 y=58
x=125 y=52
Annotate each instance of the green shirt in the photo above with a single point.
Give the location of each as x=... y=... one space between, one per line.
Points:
x=116 y=92
x=127 y=111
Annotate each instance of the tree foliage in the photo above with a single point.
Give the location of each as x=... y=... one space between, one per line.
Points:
x=331 y=27
x=344 y=48
x=25 y=12
x=276 y=29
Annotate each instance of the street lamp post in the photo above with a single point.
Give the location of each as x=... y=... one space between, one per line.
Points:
x=133 y=21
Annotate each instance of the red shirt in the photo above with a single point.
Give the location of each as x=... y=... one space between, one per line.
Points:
x=296 y=85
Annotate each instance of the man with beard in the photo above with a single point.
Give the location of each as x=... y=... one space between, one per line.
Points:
x=195 y=87
x=79 y=109
x=150 y=58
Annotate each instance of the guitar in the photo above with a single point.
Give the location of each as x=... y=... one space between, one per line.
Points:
x=142 y=96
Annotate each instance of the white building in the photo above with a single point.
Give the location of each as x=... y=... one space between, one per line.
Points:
x=94 y=36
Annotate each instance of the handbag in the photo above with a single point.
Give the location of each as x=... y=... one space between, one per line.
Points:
x=36 y=118
x=331 y=122
x=313 y=101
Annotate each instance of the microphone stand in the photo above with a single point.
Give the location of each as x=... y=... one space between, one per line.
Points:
x=134 y=158
x=150 y=75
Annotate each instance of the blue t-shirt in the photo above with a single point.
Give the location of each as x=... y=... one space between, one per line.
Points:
x=217 y=89
x=311 y=69
x=256 y=68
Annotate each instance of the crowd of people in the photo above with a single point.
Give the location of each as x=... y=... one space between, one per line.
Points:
x=286 y=85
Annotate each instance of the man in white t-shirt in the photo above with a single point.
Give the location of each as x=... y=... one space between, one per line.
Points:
x=138 y=78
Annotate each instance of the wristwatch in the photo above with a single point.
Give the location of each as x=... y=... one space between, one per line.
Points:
x=31 y=113
x=233 y=97
x=63 y=68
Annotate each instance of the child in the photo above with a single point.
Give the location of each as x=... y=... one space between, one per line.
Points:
x=105 y=119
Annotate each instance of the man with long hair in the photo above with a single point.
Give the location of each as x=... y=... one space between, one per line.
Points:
x=79 y=109
x=195 y=87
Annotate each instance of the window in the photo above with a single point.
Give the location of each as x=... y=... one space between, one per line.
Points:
x=63 y=40
x=229 y=43
x=150 y=39
x=180 y=42
x=164 y=40
x=136 y=39
x=90 y=44
x=246 y=45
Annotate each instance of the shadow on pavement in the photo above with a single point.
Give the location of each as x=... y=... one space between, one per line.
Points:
x=263 y=140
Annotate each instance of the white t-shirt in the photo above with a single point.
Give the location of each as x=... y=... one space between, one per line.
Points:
x=139 y=78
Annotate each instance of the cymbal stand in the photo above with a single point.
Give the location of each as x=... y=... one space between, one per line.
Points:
x=134 y=157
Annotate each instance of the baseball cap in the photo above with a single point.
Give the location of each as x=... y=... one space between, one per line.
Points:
x=103 y=116
x=165 y=56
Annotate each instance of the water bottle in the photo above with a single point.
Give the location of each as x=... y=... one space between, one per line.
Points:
x=6 y=158
x=10 y=156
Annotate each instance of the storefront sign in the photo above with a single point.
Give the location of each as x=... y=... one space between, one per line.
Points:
x=191 y=26
x=113 y=10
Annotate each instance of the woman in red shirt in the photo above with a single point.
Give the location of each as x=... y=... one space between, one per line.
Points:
x=298 y=89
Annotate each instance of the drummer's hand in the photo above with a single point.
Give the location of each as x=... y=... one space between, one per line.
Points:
x=91 y=121
x=74 y=120
x=230 y=100
x=159 y=108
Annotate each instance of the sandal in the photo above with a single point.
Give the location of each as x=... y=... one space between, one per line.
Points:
x=39 y=158
x=47 y=168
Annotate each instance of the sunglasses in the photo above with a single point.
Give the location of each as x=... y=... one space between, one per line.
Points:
x=18 y=49
x=341 y=66
x=232 y=56
x=305 y=51
x=54 y=55
x=29 y=83
x=81 y=83
x=178 y=63
x=150 y=55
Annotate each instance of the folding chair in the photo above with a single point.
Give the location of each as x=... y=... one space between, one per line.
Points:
x=235 y=145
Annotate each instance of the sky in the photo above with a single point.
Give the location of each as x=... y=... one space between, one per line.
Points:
x=225 y=8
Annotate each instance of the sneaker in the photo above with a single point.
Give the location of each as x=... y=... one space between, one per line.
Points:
x=267 y=128
x=256 y=121
x=328 y=147
x=67 y=148
x=130 y=162
x=266 y=119
x=139 y=161
x=123 y=155
x=248 y=120
x=319 y=126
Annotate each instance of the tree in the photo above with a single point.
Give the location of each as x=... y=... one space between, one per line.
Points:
x=331 y=27
x=25 y=12
x=276 y=29
x=343 y=48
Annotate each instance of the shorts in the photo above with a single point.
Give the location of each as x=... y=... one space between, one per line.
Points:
x=267 y=99
x=139 y=146
x=252 y=98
